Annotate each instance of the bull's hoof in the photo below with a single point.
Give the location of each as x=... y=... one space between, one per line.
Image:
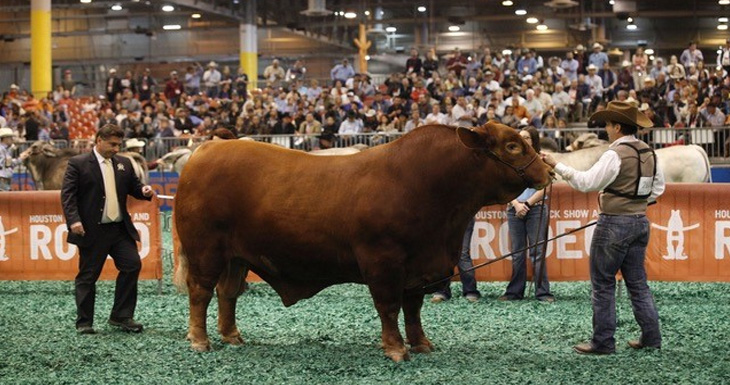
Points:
x=398 y=356
x=424 y=348
x=201 y=346
x=233 y=340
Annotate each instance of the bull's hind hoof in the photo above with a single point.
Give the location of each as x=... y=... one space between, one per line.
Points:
x=398 y=356
x=234 y=340
x=201 y=347
x=422 y=349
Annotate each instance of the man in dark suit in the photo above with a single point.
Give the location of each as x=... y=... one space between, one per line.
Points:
x=94 y=199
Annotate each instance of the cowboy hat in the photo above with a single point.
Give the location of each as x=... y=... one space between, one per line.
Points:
x=579 y=47
x=622 y=112
x=134 y=143
x=212 y=64
x=4 y=132
x=597 y=45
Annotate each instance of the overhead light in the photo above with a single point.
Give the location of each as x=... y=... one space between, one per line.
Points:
x=454 y=28
x=611 y=2
x=532 y=20
x=651 y=57
x=630 y=19
x=542 y=27
x=85 y=1
x=631 y=27
x=196 y=16
x=171 y=27
x=722 y=27
x=367 y=13
x=367 y=57
x=722 y=19
x=422 y=9
x=521 y=12
x=649 y=51
x=116 y=7
x=390 y=29
x=167 y=8
x=350 y=15
x=723 y=2
x=508 y=3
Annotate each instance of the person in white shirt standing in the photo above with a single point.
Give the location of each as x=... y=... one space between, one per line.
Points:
x=723 y=59
x=628 y=178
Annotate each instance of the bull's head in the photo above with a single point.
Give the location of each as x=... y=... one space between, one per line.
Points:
x=516 y=159
x=44 y=148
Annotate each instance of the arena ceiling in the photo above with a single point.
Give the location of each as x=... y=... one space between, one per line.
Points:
x=395 y=25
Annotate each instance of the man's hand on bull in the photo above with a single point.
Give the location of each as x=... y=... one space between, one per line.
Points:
x=25 y=154
x=78 y=229
x=548 y=159
x=147 y=191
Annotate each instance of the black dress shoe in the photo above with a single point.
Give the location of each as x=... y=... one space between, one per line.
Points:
x=85 y=329
x=588 y=348
x=127 y=324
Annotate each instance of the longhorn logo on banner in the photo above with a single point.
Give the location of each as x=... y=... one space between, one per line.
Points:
x=3 y=233
x=675 y=236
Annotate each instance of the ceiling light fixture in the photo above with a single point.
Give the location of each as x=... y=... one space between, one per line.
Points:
x=722 y=27
x=508 y=3
x=454 y=28
x=422 y=9
x=85 y=1
x=532 y=20
x=350 y=15
x=196 y=16
x=631 y=27
x=611 y=2
x=168 y=8
x=649 y=51
x=723 y=2
x=722 y=19
x=367 y=13
x=522 y=12
x=116 y=7
x=542 y=27
x=630 y=19
x=171 y=27
x=390 y=29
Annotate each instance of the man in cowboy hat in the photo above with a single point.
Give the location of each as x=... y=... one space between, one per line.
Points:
x=598 y=57
x=628 y=177
x=7 y=162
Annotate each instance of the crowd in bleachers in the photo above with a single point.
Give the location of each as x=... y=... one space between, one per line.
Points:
x=517 y=88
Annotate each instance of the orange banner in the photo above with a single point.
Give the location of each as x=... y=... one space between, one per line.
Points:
x=690 y=235
x=33 y=238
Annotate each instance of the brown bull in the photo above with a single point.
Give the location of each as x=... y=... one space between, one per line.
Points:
x=392 y=217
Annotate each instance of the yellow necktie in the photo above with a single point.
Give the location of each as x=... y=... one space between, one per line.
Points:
x=110 y=189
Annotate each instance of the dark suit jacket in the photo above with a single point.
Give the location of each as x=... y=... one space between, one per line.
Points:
x=82 y=195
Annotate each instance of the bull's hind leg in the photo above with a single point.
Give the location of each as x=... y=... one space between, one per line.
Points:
x=412 y=303
x=204 y=272
x=230 y=286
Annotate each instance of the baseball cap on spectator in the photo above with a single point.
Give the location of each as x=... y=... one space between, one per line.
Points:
x=112 y=70
x=14 y=87
x=370 y=113
x=173 y=73
x=527 y=78
x=488 y=73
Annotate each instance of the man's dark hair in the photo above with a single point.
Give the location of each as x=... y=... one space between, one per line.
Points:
x=627 y=129
x=110 y=130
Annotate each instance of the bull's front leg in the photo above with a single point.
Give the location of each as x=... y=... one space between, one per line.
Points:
x=388 y=300
x=412 y=303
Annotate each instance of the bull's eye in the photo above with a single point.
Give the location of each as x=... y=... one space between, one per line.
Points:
x=514 y=147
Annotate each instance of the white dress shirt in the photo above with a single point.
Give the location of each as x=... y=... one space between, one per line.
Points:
x=605 y=171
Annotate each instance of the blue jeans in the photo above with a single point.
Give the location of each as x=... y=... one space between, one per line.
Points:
x=524 y=232
x=619 y=243
x=468 y=279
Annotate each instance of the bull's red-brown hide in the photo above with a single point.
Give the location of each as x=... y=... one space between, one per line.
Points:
x=391 y=217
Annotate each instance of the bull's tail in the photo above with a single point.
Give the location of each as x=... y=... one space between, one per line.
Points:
x=181 y=272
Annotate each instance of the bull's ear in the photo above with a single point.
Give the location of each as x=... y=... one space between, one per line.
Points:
x=49 y=151
x=470 y=138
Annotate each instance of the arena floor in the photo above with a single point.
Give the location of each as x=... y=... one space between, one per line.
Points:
x=333 y=339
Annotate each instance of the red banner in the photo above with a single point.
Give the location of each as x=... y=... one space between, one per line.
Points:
x=33 y=238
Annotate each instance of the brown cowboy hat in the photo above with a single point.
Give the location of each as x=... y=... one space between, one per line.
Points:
x=622 y=112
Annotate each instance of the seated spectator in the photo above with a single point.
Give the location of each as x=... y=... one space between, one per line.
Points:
x=413 y=122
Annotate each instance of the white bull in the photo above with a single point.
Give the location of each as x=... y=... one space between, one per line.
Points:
x=680 y=164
